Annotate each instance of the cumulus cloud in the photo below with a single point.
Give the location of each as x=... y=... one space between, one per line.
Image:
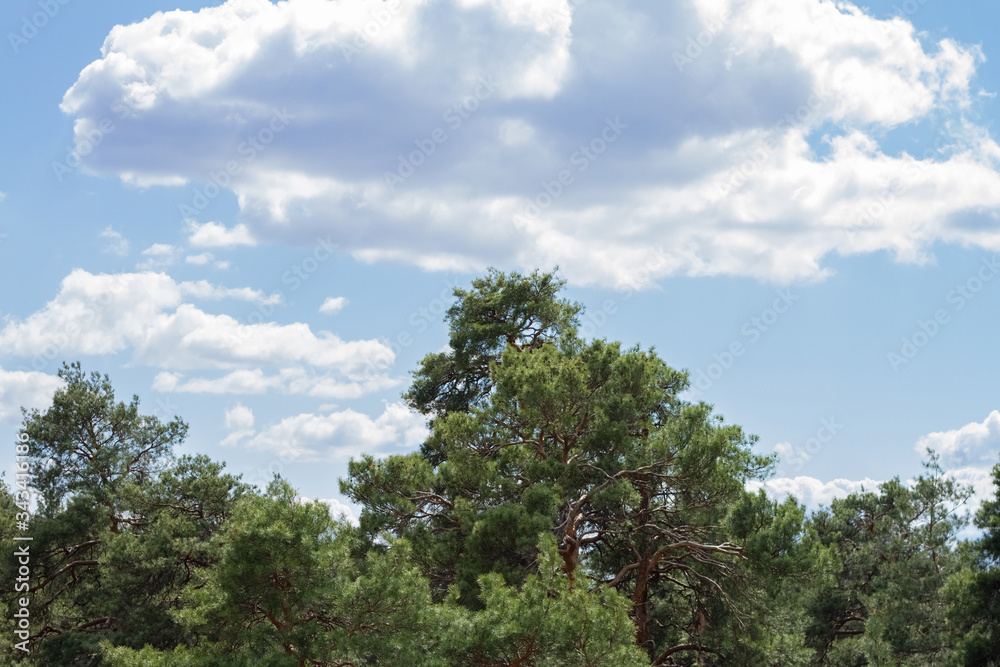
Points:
x=239 y=417
x=812 y=492
x=239 y=420
x=975 y=443
x=460 y=133
x=25 y=389
x=968 y=455
x=146 y=313
x=117 y=243
x=203 y=289
x=291 y=380
x=216 y=235
x=204 y=258
x=981 y=480
x=333 y=305
x=158 y=256
x=784 y=450
x=338 y=436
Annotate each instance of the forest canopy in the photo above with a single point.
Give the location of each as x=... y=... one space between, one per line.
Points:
x=568 y=508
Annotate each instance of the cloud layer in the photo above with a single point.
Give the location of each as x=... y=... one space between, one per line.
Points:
x=812 y=492
x=977 y=443
x=967 y=454
x=147 y=314
x=334 y=436
x=737 y=138
x=25 y=389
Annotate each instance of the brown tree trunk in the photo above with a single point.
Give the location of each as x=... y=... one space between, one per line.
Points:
x=640 y=602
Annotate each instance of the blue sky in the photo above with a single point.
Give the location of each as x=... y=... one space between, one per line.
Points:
x=252 y=214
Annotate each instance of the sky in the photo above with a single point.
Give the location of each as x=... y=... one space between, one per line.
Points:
x=252 y=214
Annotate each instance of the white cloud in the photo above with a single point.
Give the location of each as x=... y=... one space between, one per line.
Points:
x=239 y=417
x=159 y=250
x=338 y=509
x=515 y=132
x=784 y=450
x=216 y=235
x=27 y=389
x=118 y=243
x=837 y=43
x=333 y=305
x=146 y=312
x=981 y=481
x=239 y=420
x=3 y=195
x=812 y=492
x=204 y=258
x=671 y=179
x=968 y=454
x=202 y=289
x=291 y=380
x=158 y=256
x=190 y=338
x=341 y=435
x=200 y=259
x=975 y=443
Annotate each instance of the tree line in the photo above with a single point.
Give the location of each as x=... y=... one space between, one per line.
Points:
x=567 y=509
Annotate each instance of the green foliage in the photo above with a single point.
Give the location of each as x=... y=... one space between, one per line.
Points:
x=287 y=582
x=123 y=527
x=567 y=509
x=536 y=431
x=501 y=310
x=973 y=594
x=119 y=656
x=895 y=555
x=549 y=620
x=88 y=443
